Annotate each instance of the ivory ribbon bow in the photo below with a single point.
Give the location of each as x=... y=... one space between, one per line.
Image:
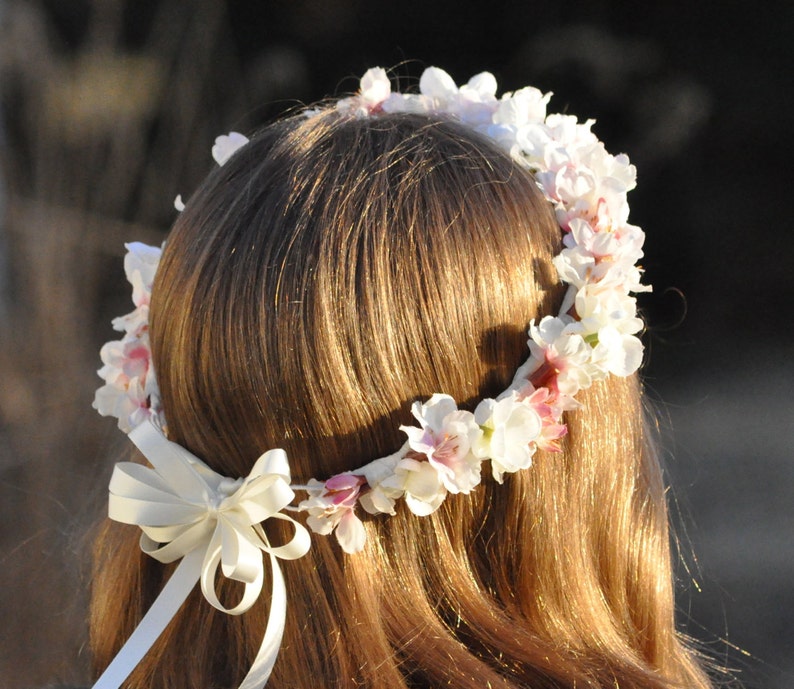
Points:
x=188 y=511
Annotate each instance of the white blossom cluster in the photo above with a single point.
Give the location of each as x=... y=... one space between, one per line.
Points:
x=130 y=391
x=594 y=335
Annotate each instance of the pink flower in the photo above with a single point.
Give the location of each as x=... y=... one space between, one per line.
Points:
x=445 y=438
x=375 y=88
x=124 y=360
x=130 y=389
x=546 y=406
x=373 y=94
x=559 y=344
x=331 y=506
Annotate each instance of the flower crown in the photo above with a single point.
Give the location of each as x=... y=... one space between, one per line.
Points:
x=593 y=336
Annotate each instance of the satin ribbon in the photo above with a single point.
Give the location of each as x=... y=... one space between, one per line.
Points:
x=188 y=511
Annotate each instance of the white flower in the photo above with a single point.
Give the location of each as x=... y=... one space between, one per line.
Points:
x=227 y=145
x=140 y=266
x=583 y=236
x=576 y=267
x=438 y=85
x=375 y=87
x=134 y=323
x=532 y=139
x=616 y=168
x=598 y=307
x=380 y=499
x=130 y=404
x=522 y=107
x=445 y=438
x=111 y=401
x=475 y=102
x=569 y=134
x=481 y=87
x=408 y=102
x=511 y=426
x=617 y=353
x=418 y=482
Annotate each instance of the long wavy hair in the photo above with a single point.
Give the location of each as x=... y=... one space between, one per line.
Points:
x=332 y=272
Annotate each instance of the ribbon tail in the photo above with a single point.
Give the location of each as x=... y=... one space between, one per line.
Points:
x=268 y=652
x=165 y=606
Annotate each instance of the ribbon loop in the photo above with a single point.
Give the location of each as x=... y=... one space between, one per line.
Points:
x=184 y=508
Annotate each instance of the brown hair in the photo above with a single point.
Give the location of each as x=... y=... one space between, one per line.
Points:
x=332 y=272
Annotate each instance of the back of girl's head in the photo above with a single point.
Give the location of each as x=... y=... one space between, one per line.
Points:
x=335 y=270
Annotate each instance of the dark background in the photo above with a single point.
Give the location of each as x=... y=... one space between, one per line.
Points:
x=109 y=108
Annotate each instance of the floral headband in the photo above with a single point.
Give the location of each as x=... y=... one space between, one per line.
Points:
x=187 y=511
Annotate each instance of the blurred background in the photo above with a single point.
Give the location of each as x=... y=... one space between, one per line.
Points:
x=108 y=109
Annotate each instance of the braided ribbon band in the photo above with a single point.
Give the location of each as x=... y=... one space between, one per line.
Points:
x=188 y=511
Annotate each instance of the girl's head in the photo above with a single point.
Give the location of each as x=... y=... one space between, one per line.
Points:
x=335 y=270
